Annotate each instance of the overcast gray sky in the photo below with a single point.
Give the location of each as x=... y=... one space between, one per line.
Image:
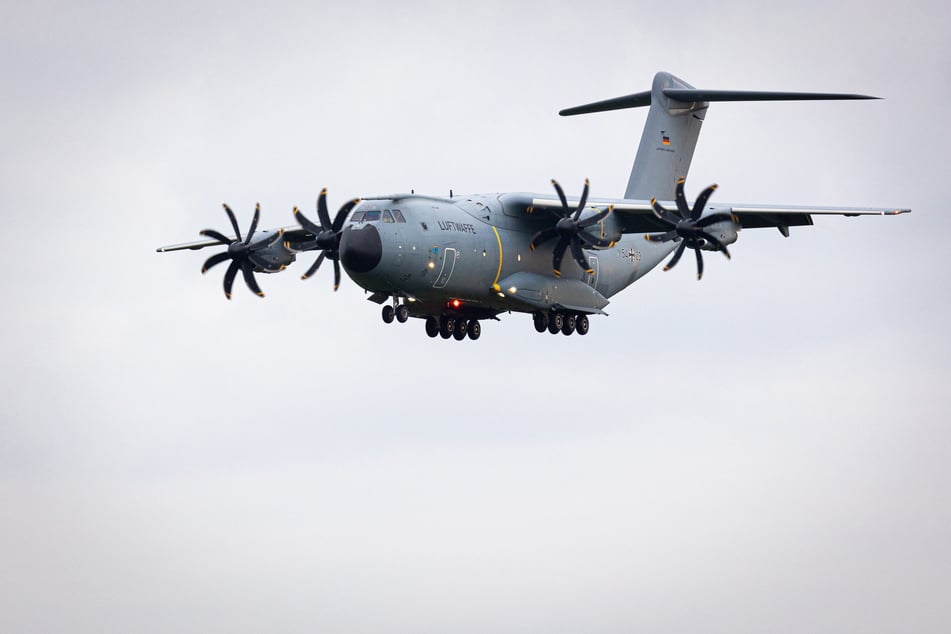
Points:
x=767 y=450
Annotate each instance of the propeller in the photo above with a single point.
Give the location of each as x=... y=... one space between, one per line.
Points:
x=687 y=227
x=326 y=234
x=570 y=231
x=240 y=252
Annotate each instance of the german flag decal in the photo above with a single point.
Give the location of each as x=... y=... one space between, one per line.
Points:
x=664 y=138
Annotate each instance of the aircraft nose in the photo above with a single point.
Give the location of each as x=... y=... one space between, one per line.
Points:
x=361 y=249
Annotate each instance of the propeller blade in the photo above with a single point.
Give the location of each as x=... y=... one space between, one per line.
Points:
x=313 y=267
x=336 y=274
x=578 y=253
x=583 y=201
x=676 y=258
x=267 y=241
x=234 y=221
x=558 y=254
x=661 y=237
x=594 y=241
x=542 y=236
x=713 y=219
x=682 y=207
x=229 y=277
x=248 y=274
x=342 y=214
x=561 y=195
x=322 y=212
x=715 y=242
x=699 y=264
x=211 y=233
x=663 y=214
x=214 y=260
x=254 y=223
x=595 y=219
x=701 y=201
x=306 y=223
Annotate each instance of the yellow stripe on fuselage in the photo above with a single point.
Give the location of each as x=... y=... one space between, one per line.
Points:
x=498 y=273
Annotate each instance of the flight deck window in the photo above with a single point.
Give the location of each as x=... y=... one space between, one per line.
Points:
x=398 y=215
x=370 y=216
x=357 y=216
x=387 y=216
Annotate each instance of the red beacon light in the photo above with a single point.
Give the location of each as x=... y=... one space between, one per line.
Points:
x=454 y=303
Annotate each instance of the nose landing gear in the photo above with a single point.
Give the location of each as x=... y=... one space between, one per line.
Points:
x=397 y=311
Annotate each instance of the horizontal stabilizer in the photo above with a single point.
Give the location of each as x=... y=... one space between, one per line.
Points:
x=695 y=95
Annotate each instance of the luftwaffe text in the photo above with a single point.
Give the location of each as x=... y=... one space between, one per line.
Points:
x=448 y=225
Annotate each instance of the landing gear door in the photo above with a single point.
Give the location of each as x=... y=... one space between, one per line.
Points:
x=448 y=264
x=591 y=279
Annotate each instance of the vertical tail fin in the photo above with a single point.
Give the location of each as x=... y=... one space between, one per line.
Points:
x=667 y=143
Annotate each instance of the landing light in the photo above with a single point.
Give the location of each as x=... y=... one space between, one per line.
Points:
x=513 y=290
x=431 y=264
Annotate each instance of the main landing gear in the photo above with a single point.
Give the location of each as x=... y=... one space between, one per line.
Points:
x=457 y=328
x=564 y=322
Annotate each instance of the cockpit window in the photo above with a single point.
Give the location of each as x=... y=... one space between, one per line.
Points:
x=398 y=215
x=357 y=216
x=370 y=216
x=387 y=216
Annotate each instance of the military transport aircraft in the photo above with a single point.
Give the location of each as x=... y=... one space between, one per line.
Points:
x=456 y=261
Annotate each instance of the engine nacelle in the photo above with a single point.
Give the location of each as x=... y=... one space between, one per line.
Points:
x=725 y=231
x=607 y=229
x=274 y=258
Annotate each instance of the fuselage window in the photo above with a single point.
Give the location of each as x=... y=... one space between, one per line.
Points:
x=398 y=215
x=357 y=216
x=370 y=216
x=387 y=216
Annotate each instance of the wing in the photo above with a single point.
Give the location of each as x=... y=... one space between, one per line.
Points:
x=293 y=233
x=784 y=216
x=638 y=216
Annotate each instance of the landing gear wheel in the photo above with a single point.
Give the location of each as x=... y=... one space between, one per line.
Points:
x=432 y=326
x=388 y=314
x=475 y=329
x=569 y=326
x=446 y=326
x=541 y=322
x=402 y=313
x=460 y=329
x=582 y=325
x=555 y=323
